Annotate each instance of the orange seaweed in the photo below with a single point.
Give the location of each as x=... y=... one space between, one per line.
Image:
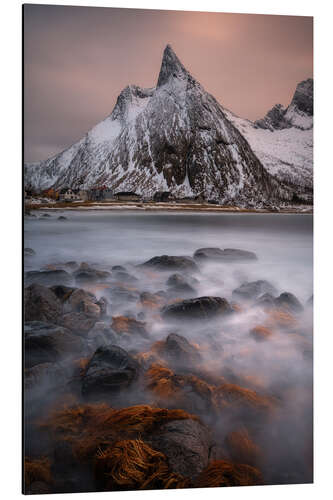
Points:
x=224 y=473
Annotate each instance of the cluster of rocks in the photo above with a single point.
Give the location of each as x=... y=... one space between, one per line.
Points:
x=103 y=349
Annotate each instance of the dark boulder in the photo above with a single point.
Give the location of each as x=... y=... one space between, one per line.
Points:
x=178 y=285
x=118 y=268
x=49 y=278
x=124 y=325
x=111 y=369
x=266 y=301
x=45 y=215
x=63 y=292
x=178 y=349
x=186 y=444
x=119 y=295
x=77 y=322
x=62 y=217
x=86 y=274
x=41 y=304
x=46 y=342
x=171 y=263
x=124 y=277
x=253 y=290
x=289 y=301
x=199 y=308
x=226 y=255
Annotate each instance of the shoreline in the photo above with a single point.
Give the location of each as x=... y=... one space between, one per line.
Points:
x=167 y=207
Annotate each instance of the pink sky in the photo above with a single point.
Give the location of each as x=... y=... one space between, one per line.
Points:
x=78 y=59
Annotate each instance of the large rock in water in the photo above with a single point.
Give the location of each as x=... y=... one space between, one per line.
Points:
x=110 y=369
x=171 y=263
x=48 y=343
x=199 y=308
x=186 y=444
x=253 y=290
x=41 y=304
x=178 y=349
x=288 y=301
x=226 y=255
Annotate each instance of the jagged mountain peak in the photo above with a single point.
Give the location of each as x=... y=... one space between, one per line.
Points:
x=171 y=67
x=298 y=114
x=174 y=137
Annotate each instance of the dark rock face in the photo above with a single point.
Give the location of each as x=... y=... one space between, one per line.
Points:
x=45 y=342
x=172 y=263
x=180 y=351
x=45 y=215
x=186 y=444
x=124 y=277
x=252 y=290
x=57 y=277
x=266 y=301
x=289 y=301
x=77 y=322
x=274 y=119
x=120 y=296
x=129 y=326
x=199 y=308
x=303 y=97
x=227 y=255
x=178 y=285
x=62 y=217
x=63 y=292
x=110 y=369
x=41 y=304
x=86 y=275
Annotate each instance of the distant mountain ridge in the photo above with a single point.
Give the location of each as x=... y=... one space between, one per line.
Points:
x=173 y=137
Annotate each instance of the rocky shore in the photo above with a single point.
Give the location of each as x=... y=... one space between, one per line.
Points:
x=132 y=379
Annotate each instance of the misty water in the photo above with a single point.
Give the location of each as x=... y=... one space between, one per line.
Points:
x=280 y=367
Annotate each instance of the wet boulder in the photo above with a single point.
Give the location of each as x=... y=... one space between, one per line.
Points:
x=41 y=304
x=265 y=301
x=86 y=274
x=186 y=444
x=49 y=278
x=124 y=277
x=121 y=295
x=46 y=342
x=200 y=308
x=178 y=349
x=63 y=292
x=78 y=322
x=289 y=302
x=226 y=255
x=252 y=290
x=118 y=268
x=82 y=301
x=62 y=217
x=171 y=263
x=179 y=285
x=129 y=326
x=111 y=369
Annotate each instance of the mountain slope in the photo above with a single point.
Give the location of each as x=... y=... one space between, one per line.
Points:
x=283 y=139
x=174 y=137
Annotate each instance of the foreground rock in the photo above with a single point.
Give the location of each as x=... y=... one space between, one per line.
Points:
x=41 y=304
x=78 y=322
x=186 y=444
x=86 y=274
x=46 y=342
x=179 y=286
x=289 y=301
x=253 y=290
x=172 y=263
x=127 y=326
x=179 y=351
x=199 y=308
x=226 y=255
x=56 y=277
x=110 y=369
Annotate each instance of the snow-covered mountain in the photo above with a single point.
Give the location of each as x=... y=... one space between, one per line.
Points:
x=173 y=137
x=283 y=139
